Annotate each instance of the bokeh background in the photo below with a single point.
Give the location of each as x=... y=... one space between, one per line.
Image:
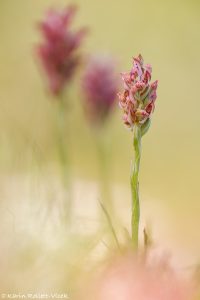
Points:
x=166 y=33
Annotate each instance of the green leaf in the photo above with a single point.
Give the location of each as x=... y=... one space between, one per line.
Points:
x=145 y=127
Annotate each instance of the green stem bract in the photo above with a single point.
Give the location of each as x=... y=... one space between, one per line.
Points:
x=135 y=186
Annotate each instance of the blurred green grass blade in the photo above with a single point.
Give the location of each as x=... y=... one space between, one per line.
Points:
x=108 y=218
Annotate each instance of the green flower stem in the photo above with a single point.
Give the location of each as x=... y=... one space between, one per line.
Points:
x=64 y=157
x=135 y=186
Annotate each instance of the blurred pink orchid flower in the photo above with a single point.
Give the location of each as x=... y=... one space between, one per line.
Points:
x=100 y=85
x=57 y=51
x=130 y=278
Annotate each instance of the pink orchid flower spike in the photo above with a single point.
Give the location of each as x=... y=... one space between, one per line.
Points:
x=57 y=51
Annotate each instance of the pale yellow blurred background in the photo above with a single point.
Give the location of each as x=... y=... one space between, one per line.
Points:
x=167 y=34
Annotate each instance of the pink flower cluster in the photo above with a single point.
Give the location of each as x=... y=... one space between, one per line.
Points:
x=138 y=99
x=57 y=51
x=100 y=85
